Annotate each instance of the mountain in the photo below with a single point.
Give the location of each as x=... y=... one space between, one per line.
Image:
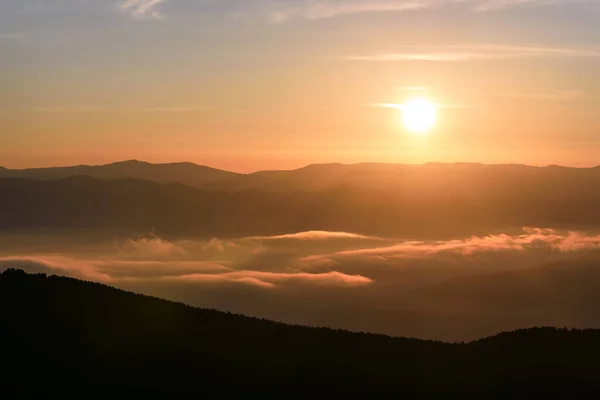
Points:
x=184 y=173
x=401 y=177
x=64 y=336
x=418 y=210
x=561 y=293
x=394 y=178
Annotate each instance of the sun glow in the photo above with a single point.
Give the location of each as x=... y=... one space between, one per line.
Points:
x=419 y=115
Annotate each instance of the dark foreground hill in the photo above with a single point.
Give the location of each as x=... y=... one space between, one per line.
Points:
x=60 y=335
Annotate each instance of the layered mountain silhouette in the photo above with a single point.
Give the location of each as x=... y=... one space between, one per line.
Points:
x=561 y=293
x=64 y=336
x=317 y=177
x=440 y=202
x=184 y=173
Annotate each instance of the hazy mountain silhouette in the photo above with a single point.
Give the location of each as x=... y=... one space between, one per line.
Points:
x=317 y=177
x=449 y=205
x=563 y=293
x=184 y=173
x=66 y=336
x=403 y=178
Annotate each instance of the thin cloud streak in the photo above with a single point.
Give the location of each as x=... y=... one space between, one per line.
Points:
x=498 y=5
x=315 y=10
x=399 y=106
x=270 y=279
x=558 y=95
x=75 y=109
x=171 y=109
x=62 y=109
x=313 y=235
x=322 y=9
x=141 y=8
x=278 y=12
x=458 y=53
x=111 y=271
x=573 y=241
x=12 y=36
x=413 y=88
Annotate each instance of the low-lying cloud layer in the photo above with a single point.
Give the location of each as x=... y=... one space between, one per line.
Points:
x=340 y=279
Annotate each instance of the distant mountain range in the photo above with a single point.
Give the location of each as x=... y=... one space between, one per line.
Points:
x=184 y=173
x=561 y=293
x=424 y=204
x=69 y=337
x=373 y=176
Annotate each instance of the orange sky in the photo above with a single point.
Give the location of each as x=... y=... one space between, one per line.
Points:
x=280 y=85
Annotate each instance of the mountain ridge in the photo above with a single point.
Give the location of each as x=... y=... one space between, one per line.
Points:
x=412 y=208
x=312 y=177
x=184 y=172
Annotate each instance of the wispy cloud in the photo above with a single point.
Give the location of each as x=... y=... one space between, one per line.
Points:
x=141 y=8
x=493 y=5
x=556 y=95
x=533 y=237
x=282 y=11
x=11 y=37
x=89 y=109
x=321 y=9
x=413 y=88
x=399 y=106
x=62 y=109
x=313 y=235
x=270 y=279
x=160 y=109
x=473 y=52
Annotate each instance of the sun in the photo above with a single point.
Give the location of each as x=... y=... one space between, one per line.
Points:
x=419 y=115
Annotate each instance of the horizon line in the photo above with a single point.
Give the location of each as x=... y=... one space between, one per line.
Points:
x=133 y=160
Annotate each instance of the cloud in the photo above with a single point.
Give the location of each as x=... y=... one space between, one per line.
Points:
x=322 y=9
x=491 y=5
x=141 y=8
x=91 y=109
x=110 y=270
x=64 y=266
x=556 y=95
x=62 y=109
x=428 y=289
x=283 y=11
x=313 y=235
x=533 y=237
x=151 y=247
x=118 y=271
x=413 y=88
x=12 y=37
x=495 y=5
x=170 y=109
x=305 y=257
x=576 y=242
x=398 y=106
x=458 y=53
x=270 y=279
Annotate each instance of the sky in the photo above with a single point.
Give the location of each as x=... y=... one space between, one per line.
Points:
x=246 y=85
